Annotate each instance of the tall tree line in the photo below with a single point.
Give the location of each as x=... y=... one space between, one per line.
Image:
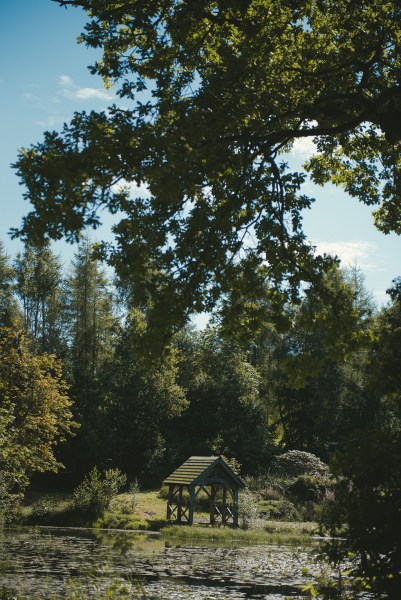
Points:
x=303 y=386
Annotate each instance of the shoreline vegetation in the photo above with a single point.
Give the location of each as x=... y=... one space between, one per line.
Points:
x=145 y=512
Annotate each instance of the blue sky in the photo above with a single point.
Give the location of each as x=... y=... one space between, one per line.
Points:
x=44 y=79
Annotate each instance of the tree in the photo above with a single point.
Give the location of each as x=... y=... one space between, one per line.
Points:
x=368 y=494
x=8 y=306
x=219 y=91
x=226 y=414
x=314 y=374
x=35 y=412
x=140 y=403
x=90 y=315
x=91 y=326
x=39 y=288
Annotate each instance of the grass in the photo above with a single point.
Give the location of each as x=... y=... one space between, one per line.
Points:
x=143 y=511
x=274 y=532
x=146 y=511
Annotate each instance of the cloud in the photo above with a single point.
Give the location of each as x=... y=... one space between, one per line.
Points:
x=90 y=93
x=134 y=189
x=361 y=252
x=52 y=121
x=30 y=98
x=65 y=81
x=304 y=147
x=71 y=90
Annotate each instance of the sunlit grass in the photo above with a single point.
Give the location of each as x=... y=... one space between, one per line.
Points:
x=146 y=511
x=143 y=510
x=272 y=532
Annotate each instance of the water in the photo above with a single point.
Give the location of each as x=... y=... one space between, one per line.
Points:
x=52 y=563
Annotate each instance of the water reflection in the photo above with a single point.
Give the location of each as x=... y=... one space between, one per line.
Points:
x=49 y=561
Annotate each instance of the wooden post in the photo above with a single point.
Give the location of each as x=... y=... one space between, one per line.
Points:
x=235 y=508
x=212 y=499
x=224 y=507
x=191 y=504
x=169 y=501
x=179 y=511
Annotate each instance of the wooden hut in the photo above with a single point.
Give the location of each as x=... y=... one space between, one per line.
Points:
x=208 y=473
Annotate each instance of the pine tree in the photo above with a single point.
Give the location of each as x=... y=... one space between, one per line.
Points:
x=39 y=288
x=8 y=305
x=90 y=326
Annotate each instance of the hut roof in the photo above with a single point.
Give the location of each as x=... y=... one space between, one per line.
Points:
x=201 y=470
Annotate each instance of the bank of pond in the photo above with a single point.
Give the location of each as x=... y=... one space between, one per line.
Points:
x=54 y=551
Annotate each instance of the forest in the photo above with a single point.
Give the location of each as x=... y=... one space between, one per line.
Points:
x=78 y=391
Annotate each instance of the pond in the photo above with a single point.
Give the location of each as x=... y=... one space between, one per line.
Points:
x=58 y=563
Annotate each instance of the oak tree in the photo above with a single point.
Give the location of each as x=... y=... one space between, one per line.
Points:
x=213 y=94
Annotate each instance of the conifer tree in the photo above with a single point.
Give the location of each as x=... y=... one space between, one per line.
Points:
x=8 y=305
x=39 y=288
x=90 y=326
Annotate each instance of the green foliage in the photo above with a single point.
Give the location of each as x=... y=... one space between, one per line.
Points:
x=368 y=490
x=90 y=316
x=8 y=306
x=248 y=513
x=38 y=287
x=141 y=402
x=44 y=509
x=308 y=488
x=94 y=494
x=91 y=325
x=35 y=412
x=214 y=94
x=296 y=462
x=288 y=493
x=331 y=323
x=282 y=509
x=226 y=415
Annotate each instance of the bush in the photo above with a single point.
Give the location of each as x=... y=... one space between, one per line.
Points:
x=295 y=463
x=282 y=510
x=308 y=488
x=94 y=494
x=44 y=509
x=248 y=513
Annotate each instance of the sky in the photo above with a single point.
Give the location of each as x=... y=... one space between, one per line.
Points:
x=44 y=78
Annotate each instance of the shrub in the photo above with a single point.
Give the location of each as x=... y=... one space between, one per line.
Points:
x=296 y=462
x=163 y=492
x=94 y=494
x=308 y=488
x=248 y=513
x=44 y=509
x=283 y=510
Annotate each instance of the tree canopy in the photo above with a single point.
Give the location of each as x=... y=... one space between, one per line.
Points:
x=215 y=93
x=35 y=412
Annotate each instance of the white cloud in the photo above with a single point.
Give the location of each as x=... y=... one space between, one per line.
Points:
x=65 y=81
x=31 y=98
x=52 y=121
x=134 y=189
x=74 y=92
x=90 y=93
x=304 y=147
x=361 y=252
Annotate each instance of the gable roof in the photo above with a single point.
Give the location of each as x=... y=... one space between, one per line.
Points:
x=197 y=469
